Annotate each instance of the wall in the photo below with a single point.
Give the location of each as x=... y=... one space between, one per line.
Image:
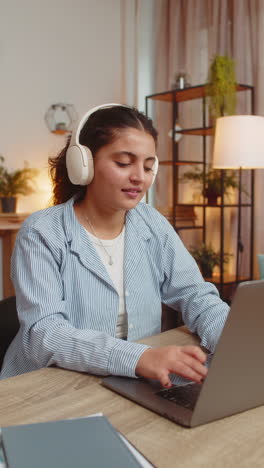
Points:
x=53 y=51
x=82 y=52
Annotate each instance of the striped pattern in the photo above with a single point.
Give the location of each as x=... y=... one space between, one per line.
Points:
x=68 y=305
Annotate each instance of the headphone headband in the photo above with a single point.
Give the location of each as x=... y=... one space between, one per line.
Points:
x=79 y=159
x=77 y=129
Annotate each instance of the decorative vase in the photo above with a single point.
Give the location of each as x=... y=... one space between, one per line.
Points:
x=212 y=199
x=206 y=270
x=9 y=204
x=182 y=81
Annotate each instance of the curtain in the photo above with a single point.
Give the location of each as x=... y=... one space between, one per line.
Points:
x=137 y=51
x=189 y=33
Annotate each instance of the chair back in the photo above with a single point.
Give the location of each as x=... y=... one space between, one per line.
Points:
x=9 y=324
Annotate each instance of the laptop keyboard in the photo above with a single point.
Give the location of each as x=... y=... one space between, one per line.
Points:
x=185 y=395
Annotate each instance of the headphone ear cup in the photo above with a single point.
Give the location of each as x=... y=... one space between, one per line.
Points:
x=155 y=169
x=79 y=163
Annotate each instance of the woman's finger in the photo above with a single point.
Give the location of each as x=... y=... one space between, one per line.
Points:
x=188 y=372
x=164 y=379
x=195 y=365
x=196 y=352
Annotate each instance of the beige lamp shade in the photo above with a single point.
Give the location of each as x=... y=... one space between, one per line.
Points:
x=239 y=142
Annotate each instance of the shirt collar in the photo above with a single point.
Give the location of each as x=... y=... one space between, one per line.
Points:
x=73 y=228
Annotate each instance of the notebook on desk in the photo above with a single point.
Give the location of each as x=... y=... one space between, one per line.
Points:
x=235 y=380
x=79 y=443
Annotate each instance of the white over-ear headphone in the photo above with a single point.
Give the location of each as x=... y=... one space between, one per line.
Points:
x=79 y=158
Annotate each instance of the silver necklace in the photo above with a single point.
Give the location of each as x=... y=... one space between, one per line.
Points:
x=110 y=258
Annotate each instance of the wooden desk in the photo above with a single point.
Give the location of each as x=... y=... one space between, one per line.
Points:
x=50 y=394
x=10 y=224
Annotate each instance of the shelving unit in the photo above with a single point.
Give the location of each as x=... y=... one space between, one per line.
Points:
x=225 y=281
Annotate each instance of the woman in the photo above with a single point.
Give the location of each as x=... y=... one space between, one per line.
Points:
x=91 y=272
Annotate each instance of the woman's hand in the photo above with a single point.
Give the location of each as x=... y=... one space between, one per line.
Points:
x=186 y=361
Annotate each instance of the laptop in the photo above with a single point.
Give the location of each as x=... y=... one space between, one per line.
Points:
x=235 y=379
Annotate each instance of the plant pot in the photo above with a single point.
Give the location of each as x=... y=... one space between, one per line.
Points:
x=212 y=199
x=206 y=271
x=9 y=204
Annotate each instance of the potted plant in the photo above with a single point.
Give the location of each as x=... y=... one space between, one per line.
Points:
x=212 y=179
x=13 y=183
x=221 y=87
x=207 y=259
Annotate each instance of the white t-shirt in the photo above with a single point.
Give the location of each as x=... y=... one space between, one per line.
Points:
x=115 y=249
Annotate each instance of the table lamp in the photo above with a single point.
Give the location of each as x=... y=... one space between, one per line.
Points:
x=239 y=144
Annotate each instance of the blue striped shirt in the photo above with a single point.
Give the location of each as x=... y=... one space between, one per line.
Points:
x=68 y=305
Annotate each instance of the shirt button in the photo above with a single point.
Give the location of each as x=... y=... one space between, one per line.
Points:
x=126 y=293
x=131 y=326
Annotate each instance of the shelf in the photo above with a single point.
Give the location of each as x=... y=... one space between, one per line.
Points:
x=228 y=205
x=227 y=279
x=179 y=163
x=60 y=132
x=201 y=131
x=195 y=216
x=180 y=228
x=186 y=94
x=13 y=217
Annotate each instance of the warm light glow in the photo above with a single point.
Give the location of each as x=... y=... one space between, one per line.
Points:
x=239 y=142
x=40 y=198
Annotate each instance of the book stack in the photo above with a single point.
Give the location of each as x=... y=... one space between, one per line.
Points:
x=185 y=216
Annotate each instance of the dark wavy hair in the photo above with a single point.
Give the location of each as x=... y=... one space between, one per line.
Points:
x=101 y=128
